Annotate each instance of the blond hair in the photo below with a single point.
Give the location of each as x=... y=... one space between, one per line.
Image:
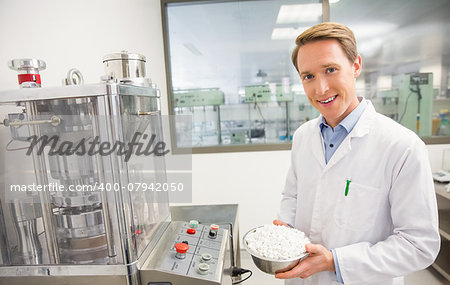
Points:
x=327 y=31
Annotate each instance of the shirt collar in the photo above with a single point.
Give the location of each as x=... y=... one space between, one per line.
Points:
x=349 y=122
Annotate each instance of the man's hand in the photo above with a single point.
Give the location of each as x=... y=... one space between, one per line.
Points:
x=280 y=223
x=319 y=259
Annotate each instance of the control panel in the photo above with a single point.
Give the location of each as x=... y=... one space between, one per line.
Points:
x=188 y=253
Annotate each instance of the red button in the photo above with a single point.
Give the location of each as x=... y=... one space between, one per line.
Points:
x=181 y=247
x=214 y=227
x=191 y=231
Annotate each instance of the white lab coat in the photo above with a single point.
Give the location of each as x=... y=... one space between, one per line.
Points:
x=387 y=225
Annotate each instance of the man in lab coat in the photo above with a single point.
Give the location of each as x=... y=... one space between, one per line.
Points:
x=360 y=184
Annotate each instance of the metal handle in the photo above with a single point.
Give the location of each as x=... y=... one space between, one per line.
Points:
x=54 y=120
x=146 y=113
x=74 y=77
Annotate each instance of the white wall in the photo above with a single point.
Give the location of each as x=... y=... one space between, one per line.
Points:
x=69 y=34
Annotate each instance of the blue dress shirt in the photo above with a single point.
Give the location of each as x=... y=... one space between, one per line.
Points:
x=332 y=139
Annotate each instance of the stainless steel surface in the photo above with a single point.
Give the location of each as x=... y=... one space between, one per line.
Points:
x=55 y=121
x=124 y=55
x=74 y=77
x=127 y=67
x=94 y=227
x=223 y=214
x=272 y=266
x=27 y=65
x=162 y=265
x=29 y=250
x=42 y=179
x=103 y=195
x=5 y=255
x=74 y=91
x=25 y=212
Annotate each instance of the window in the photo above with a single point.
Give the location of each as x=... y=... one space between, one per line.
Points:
x=229 y=67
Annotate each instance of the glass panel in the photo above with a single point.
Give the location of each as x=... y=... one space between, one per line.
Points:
x=231 y=69
x=404 y=47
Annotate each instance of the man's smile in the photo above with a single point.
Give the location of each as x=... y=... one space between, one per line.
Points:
x=329 y=100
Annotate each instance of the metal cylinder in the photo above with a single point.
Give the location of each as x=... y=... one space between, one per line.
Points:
x=25 y=212
x=28 y=69
x=127 y=67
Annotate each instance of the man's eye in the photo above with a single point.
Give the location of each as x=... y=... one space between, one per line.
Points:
x=308 y=76
x=331 y=70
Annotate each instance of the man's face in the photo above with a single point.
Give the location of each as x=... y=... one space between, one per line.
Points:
x=328 y=78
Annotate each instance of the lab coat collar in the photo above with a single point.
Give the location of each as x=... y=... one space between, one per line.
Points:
x=361 y=129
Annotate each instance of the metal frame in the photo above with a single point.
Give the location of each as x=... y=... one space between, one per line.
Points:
x=74 y=91
x=232 y=148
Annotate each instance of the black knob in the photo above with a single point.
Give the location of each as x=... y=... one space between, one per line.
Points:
x=212 y=234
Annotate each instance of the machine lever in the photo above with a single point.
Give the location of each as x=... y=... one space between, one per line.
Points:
x=54 y=120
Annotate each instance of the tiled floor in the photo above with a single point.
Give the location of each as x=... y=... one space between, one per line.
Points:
x=424 y=277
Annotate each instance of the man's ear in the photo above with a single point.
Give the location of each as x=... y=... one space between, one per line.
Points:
x=357 y=65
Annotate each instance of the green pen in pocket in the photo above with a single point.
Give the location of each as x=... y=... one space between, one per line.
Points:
x=347 y=187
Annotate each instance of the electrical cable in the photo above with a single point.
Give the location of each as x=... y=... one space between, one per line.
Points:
x=14 y=149
x=260 y=113
x=406 y=107
x=419 y=97
x=264 y=120
x=239 y=271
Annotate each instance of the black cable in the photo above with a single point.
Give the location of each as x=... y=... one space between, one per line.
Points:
x=419 y=97
x=239 y=271
x=406 y=107
x=15 y=149
x=260 y=113
x=264 y=121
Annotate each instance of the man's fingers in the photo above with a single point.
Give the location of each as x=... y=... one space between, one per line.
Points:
x=294 y=272
x=279 y=223
x=312 y=248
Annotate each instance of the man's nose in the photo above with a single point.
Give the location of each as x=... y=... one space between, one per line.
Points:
x=322 y=86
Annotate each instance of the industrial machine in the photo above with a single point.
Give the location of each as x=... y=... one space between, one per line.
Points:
x=79 y=197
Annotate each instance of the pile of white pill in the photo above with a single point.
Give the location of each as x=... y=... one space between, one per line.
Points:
x=276 y=242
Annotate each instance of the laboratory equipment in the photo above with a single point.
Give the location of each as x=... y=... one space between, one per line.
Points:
x=198 y=97
x=204 y=106
x=28 y=69
x=74 y=77
x=415 y=101
x=268 y=93
x=71 y=210
x=127 y=67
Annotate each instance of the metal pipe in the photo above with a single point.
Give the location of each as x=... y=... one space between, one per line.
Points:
x=41 y=179
x=103 y=194
x=123 y=202
x=219 y=127
x=5 y=252
x=54 y=120
x=288 y=123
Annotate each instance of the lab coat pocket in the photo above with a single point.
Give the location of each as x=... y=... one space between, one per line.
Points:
x=357 y=210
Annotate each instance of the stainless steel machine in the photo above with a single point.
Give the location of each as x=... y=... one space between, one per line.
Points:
x=73 y=206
